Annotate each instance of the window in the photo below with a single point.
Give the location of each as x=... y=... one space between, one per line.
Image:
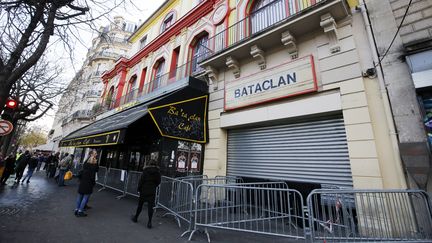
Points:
x=131 y=89
x=174 y=63
x=143 y=42
x=199 y=51
x=158 y=71
x=109 y=98
x=265 y=13
x=142 y=80
x=168 y=21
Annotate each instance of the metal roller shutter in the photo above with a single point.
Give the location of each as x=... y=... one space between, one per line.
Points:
x=314 y=151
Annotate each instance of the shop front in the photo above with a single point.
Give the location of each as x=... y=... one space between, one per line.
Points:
x=171 y=129
x=301 y=140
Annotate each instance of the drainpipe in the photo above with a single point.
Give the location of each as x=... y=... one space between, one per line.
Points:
x=383 y=90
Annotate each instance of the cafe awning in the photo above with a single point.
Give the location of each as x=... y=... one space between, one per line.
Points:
x=107 y=131
x=181 y=115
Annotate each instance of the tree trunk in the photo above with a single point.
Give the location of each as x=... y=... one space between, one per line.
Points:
x=6 y=141
x=4 y=89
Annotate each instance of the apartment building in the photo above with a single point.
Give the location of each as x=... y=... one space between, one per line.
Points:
x=78 y=103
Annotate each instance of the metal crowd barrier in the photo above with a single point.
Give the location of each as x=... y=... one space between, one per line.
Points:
x=133 y=179
x=113 y=181
x=101 y=177
x=268 y=208
x=176 y=197
x=218 y=180
x=369 y=215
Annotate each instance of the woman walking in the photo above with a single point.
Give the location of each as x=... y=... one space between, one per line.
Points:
x=149 y=181
x=87 y=182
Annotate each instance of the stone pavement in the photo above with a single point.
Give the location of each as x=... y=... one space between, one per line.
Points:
x=43 y=212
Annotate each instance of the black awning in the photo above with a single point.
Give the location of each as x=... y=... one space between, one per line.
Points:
x=107 y=131
x=189 y=125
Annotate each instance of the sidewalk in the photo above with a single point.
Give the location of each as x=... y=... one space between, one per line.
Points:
x=43 y=212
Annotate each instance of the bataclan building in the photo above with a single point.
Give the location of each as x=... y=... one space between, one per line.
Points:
x=296 y=96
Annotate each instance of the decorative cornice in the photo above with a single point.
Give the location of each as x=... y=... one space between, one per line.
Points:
x=330 y=29
x=290 y=43
x=212 y=74
x=120 y=65
x=234 y=65
x=258 y=54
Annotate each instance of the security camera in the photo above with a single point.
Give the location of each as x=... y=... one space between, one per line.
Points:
x=370 y=73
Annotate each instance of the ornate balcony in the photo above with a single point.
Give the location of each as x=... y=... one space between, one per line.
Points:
x=276 y=24
x=156 y=86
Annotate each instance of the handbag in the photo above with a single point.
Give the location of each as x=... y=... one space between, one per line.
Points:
x=68 y=175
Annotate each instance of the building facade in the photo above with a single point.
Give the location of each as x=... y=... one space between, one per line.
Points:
x=406 y=69
x=264 y=90
x=78 y=103
x=294 y=97
x=154 y=102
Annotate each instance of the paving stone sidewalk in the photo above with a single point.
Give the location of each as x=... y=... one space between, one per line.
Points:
x=43 y=212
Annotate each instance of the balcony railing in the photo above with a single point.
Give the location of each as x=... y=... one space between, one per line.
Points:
x=157 y=83
x=81 y=114
x=93 y=93
x=258 y=22
x=106 y=54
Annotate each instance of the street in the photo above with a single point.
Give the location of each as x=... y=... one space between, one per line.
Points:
x=43 y=212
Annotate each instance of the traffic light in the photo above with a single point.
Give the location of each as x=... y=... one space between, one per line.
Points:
x=9 y=110
x=11 y=104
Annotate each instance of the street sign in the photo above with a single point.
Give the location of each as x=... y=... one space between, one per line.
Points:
x=5 y=127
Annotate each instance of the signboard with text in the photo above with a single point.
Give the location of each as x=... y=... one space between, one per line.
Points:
x=104 y=139
x=285 y=80
x=184 y=120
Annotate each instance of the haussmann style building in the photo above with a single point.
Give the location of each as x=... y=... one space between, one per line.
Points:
x=263 y=90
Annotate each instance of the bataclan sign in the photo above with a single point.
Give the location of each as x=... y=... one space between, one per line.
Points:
x=285 y=80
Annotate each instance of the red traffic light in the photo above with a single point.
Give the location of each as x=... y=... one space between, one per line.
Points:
x=12 y=104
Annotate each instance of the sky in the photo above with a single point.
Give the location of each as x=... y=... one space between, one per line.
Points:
x=136 y=11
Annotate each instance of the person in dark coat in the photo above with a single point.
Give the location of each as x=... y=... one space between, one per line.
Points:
x=21 y=165
x=9 y=168
x=87 y=181
x=52 y=161
x=32 y=165
x=149 y=181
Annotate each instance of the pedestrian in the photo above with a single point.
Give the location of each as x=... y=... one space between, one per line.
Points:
x=57 y=166
x=18 y=154
x=149 y=181
x=2 y=165
x=45 y=160
x=87 y=181
x=32 y=164
x=40 y=161
x=9 y=168
x=21 y=164
x=64 y=165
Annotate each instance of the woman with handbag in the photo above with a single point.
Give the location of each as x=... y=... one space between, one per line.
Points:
x=87 y=181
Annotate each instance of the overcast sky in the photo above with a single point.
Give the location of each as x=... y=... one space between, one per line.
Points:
x=134 y=10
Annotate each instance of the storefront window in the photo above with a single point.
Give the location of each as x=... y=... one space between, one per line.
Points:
x=136 y=163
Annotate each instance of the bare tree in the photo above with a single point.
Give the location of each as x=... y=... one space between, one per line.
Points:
x=38 y=89
x=26 y=27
